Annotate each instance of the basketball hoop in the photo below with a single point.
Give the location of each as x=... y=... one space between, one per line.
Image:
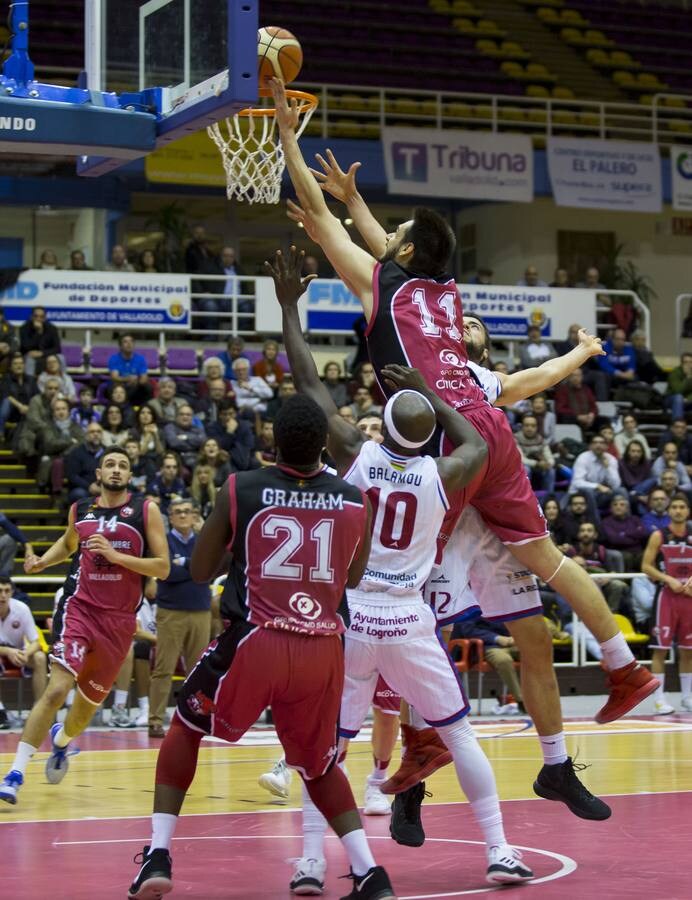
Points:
x=251 y=151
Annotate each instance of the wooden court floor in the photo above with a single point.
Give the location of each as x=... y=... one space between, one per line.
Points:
x=76 y=840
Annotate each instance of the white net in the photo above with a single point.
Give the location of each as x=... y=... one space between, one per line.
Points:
x=252 y=155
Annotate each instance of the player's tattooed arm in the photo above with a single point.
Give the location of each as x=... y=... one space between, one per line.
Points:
x=344 y=439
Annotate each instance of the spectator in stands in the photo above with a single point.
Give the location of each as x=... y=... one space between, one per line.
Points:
x=656 y=516
x=213 y=370
x=167 y=484
x=202 y=489
x=143 y=470
x=118 y=397
x=679 y=392
x=678 y=434
x=147 y=262
x=364 y=376
x=115 y=431
x=668 y=482
x=554 y=520
x=607 y=432
x=78 y=262
x=251 y=392
x=624 y=532
x=619 y=363
x=38 y=415
x=246 y=305
x=48 y=260
x=287 y=389
x=81 y=464
x=331 y=379
x=531 y=278
x=184 y=437
x=54 y=369
x=85 y=411
x=217 y=459
x=16 y=390
x=268 y=367
x=208 y=408
x=648 y=370
x=544 y=417
x=9 y=343
x=201 y=260
x=148 y=434
x=594 y=377
x=20 y=646
x=138 y=659
x=311 y=266
x=500 y=652
x=591 y=555
x=183 y=616
x=592 y=280
x=535 y=351
x=166 y=404
x=575 y=402
x=234 y=435
x=668 y=460
x=363 y=403
x=561 y=279
x=265 y=447
x=11 y=537
x=596 y=474
x=118 y=262
x=687 y=323
x=371 y=424
x=130 y=369
x=635 y=471
x=630 y=432
x=56 y=440
x=536 y=455
x=234 y=350
x=482 y=276
x=346 y=413
x=38 y=339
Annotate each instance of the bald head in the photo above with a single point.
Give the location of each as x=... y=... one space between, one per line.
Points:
x=409 y=420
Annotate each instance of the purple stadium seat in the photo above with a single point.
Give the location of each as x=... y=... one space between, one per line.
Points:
x=101 y=355
x=73 y=354
x=151 y=355
x=182 y=360
x=212 y=351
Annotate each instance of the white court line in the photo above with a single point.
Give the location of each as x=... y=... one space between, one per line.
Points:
x=297 y=809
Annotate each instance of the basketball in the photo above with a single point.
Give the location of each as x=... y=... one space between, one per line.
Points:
x=279 y=55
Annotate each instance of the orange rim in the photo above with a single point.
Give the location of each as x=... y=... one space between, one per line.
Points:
x=306 y=102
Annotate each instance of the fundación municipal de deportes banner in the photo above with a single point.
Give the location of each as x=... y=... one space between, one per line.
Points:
x=594 y=174
x=463 y=164
x=681 y=177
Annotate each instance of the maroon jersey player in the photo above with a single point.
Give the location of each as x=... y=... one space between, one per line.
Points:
x=297 y=537
x=119 y=540
x=415 y=318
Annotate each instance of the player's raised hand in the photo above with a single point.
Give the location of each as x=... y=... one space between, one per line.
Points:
x=286 y=110
x=287 y=274
x=333 y=180
x=400 y=377
x=592 y=343
x=298 y=215
x=33 y=563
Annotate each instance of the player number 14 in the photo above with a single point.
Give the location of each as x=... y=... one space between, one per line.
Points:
x=447 y=303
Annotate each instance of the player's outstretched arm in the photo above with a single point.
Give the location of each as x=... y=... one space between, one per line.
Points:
x=342 y=186
x=528 y=382
x=344 y=439
x=212 y=541
x=61 y=550
x=352 y=262
x=464 y=463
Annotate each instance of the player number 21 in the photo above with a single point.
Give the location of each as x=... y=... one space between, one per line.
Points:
x=280 y=563
x=447 y=304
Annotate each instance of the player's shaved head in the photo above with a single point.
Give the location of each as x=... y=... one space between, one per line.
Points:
x=409 y=422
x=300 y=432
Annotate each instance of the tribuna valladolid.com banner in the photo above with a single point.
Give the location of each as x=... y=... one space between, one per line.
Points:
x=460 y=164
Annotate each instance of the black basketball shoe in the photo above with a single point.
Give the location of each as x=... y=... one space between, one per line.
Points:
x=374 y=885
x=405 y=825
x=560 y=782
x=154 y=878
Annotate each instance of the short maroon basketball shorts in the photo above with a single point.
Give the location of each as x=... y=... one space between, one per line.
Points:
x=92 y=644
x=247 y=669
x=673 y=623
x=385 y=699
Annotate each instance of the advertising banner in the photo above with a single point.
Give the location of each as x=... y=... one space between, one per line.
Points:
x=681 y=176
x=89 y=299
x=617 y=175
x=463 y=164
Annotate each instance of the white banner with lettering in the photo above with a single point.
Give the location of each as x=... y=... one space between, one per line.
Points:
x=89 y=299
x=681 y=177
x=465 y=164
x=330 y=308
x=618 y=175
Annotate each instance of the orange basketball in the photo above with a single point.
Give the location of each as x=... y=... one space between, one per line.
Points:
x=279 y=55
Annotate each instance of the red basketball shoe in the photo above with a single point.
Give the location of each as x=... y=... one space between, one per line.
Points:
x=424 y=753
x=627 y=686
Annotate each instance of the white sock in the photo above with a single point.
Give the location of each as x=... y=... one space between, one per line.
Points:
x=616 y=652
x=359 y=855
x=686 y=683
x=314 y=828
x=2 y=705
x=62 y=738
x=121 y=698
x=417 y=721
x=658 y=695
x=22 y=756
x=69 y=700
x=476 y=778
x=162 y=830
x=143 y=703
x=554 y=748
